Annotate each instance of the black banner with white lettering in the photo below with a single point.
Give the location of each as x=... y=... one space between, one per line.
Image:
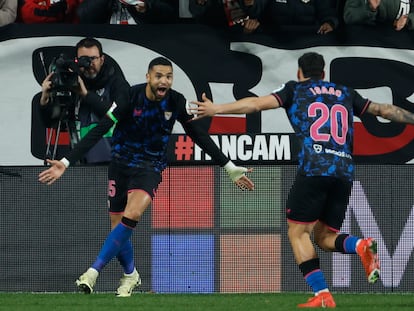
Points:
x=226 y=66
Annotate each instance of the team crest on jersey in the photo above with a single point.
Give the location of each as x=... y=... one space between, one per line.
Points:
x=137 y=112
x=317 y=148
x=100 y=92
x=167 y=115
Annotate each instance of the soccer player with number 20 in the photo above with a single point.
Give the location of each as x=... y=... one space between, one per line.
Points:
x=321 y=114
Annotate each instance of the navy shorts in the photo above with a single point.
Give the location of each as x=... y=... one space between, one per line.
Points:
x=323 y=198
x=123 y=179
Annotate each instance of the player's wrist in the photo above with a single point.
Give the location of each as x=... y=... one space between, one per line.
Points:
x=234 y=172
x=217 y=109
x=229 y=166
x=65 y=162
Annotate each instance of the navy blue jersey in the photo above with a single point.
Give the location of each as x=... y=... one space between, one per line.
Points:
x=143 y=135
x=143 y=129
x=321 y=113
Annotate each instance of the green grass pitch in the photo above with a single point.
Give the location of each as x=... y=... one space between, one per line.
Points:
x=196 y=302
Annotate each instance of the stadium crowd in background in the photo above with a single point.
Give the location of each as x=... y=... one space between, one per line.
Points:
x=247 y=16
x=47 y=11
x=321 y=14
x=8 y=11
x=395 y=13
x=128 y=12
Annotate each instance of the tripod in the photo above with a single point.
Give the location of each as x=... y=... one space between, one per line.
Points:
x=67 y=120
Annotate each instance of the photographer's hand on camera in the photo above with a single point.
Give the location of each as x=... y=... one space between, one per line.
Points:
x=83 y=91
x=46 y=87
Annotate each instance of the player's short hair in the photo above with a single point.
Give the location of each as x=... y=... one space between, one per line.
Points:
x=88 y=43
x=312 y=65
x=159 y=61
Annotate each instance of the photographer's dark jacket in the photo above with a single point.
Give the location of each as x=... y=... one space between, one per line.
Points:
x=109 y=86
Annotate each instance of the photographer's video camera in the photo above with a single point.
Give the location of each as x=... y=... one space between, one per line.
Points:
x=65 y=73
x=65 y=85
x=65 y=76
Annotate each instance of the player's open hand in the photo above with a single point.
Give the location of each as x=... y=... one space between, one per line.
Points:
x=244 y=182
x=53 y=173
x=238 y=175
x=203 y=108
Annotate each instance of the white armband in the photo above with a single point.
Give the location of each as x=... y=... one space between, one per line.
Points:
x=234 y=172
x=65 y=162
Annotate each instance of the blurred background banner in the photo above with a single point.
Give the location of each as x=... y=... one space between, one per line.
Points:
x=226 y=66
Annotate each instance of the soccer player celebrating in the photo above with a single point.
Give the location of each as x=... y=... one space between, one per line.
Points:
x=321 y=114
x=139 y=155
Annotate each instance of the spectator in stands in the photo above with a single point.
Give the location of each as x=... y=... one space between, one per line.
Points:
x=128 y=11
x=235 y=14
x=8 y=11
x=101 y=82
x=47 y=11
x=375 y=12
x=95 y=11
x=319 y=13
x=152 y=11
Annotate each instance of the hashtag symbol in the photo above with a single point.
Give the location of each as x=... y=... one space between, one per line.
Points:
x=184 y=148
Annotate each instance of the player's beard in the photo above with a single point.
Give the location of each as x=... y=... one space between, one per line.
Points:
x=159 y=92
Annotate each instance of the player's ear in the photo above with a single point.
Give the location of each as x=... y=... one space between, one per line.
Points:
x=323 y=75
x=300 y=75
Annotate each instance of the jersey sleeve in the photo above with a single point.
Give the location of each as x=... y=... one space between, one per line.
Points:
x=198 y=132
x=201 y=137
x=114 y=115
x=284 y=94
x=360 y=104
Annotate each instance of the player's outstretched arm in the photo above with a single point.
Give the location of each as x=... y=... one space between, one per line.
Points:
x=206 y=108
x=391 y=112
x=201 y=137
x=238 y=175
x=53 y=173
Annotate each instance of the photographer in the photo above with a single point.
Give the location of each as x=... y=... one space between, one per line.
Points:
x=100 y=83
